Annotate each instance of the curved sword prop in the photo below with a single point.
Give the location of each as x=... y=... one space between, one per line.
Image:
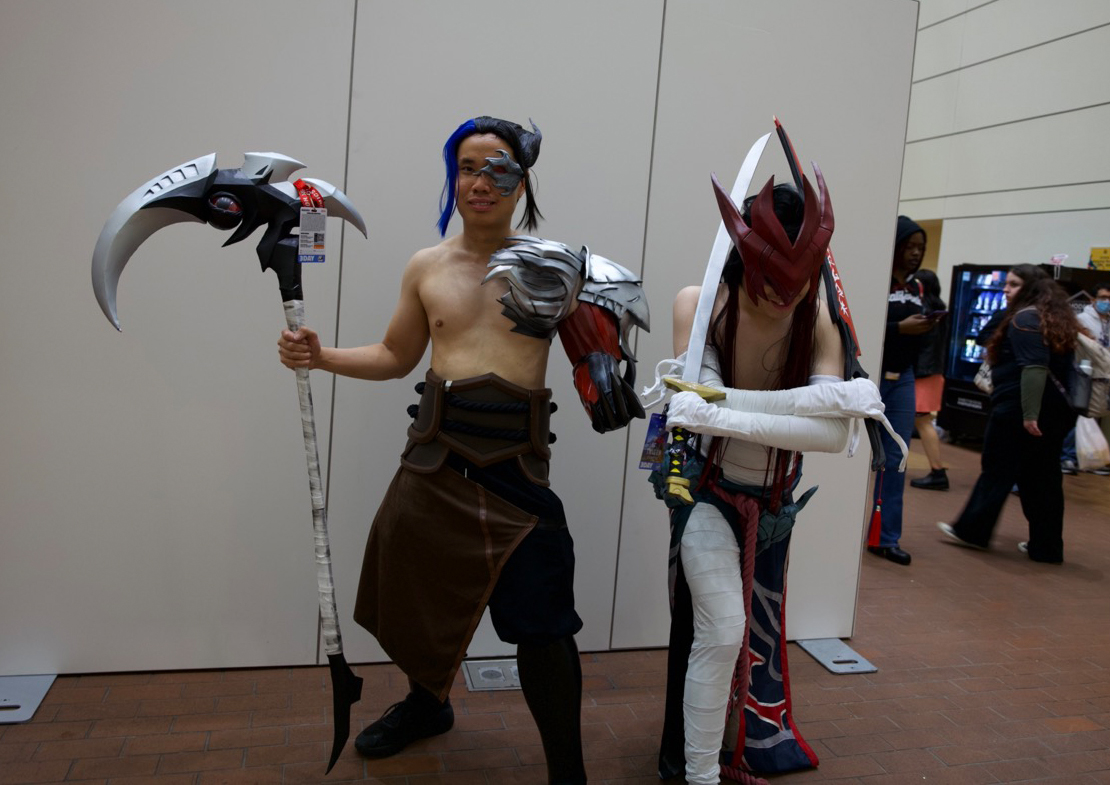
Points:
x=677 y=485
x=256 y=194
x=699 y=330
x=838 y=309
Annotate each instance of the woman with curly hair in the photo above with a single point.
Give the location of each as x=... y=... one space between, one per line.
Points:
x=1030 y=355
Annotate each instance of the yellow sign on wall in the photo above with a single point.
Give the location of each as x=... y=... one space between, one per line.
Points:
x=1100 y=259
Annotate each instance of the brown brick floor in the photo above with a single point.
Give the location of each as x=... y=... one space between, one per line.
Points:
x=992 y=669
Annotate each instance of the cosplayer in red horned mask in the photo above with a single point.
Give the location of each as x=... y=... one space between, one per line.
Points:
x=785 y=379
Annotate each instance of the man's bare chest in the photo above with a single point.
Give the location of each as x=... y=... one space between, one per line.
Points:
x=458 y=303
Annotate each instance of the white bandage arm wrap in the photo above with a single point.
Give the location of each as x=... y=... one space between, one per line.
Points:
x=820 y=417
x=710 y=376
x=783 y=431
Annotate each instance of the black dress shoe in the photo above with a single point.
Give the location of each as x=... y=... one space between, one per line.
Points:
x=936 y=480
x=403 y=723
x=895 y=554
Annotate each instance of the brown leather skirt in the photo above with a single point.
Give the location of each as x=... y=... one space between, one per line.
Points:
x=439 y=540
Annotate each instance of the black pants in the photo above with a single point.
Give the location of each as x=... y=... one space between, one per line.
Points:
x=1013 y=455
x=533 y=601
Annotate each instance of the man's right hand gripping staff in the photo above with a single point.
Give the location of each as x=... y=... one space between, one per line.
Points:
x=300 y=349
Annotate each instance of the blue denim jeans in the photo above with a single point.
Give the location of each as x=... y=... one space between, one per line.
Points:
x=1068 y=452
x=898 y=397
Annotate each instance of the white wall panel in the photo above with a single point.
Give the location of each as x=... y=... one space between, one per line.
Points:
x=1056 y=150
x=1048 y=79
x=936 y=11
x=585 y=72
x=939 y=49
x=926 y=170
x=933 y=107
x=152 y=484
x=1026 y=201
x=708 y=129
x=1001 y=28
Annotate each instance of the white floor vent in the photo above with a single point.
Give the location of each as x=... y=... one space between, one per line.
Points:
x=484 y=675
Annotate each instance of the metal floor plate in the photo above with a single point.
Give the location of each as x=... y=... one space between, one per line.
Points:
x=483 y=675
x=20 y=696
x=836 y=655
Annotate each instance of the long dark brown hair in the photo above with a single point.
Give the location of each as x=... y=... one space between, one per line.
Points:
x=1058 y=322
x=782 y=465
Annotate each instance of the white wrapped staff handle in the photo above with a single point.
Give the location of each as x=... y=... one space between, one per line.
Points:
x=346 y=687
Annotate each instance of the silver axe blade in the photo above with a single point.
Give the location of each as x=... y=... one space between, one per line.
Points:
x=129 y=226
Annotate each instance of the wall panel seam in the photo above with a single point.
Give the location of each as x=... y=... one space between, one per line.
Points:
x=1008 y=122
x=628 y=444
x=965 y=12
x=1010 y=53
x=1025 y=212
x=339 y=294
x=1006 y=190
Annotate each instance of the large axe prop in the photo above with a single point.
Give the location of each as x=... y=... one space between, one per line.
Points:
x=256 y=194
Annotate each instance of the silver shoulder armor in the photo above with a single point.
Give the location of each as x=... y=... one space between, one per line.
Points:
x=619 y=291
x=545 y=277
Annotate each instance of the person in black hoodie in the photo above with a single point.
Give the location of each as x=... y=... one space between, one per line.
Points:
x=905 y=324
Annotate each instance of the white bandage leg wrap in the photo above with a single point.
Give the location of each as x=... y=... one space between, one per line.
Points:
x=711 y=563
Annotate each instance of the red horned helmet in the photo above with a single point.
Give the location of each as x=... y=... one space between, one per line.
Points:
x=770 y=259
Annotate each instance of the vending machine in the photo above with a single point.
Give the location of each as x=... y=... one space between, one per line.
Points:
x=975 y=296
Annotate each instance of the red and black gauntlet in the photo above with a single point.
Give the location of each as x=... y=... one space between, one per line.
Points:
x=591 y=338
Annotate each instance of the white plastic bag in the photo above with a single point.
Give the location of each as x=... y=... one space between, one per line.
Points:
x=1091 y=448
x=983 y=378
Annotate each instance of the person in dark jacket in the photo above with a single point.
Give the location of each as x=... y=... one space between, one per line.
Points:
x=905 y=324
x=928 y=371
x=1030 y=354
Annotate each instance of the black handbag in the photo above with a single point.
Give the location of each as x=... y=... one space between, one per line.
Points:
x=1077 y=391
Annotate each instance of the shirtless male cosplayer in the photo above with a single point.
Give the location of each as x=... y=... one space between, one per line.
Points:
x=469 y=519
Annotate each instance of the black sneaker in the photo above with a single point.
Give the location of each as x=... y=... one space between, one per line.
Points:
x=402 y=724
x=936 y=480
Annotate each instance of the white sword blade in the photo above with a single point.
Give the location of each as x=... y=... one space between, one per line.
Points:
x=695 y=349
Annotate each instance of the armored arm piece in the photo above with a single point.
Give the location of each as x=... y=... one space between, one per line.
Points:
x=545 y=281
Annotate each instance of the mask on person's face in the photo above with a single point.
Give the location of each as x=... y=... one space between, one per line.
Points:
x=1103 y=307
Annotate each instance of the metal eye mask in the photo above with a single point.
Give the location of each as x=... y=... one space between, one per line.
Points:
x=510 y=175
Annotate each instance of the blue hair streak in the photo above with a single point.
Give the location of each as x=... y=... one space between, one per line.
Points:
x=451 y=161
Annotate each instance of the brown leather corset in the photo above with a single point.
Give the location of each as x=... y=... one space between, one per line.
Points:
x=485 y=419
